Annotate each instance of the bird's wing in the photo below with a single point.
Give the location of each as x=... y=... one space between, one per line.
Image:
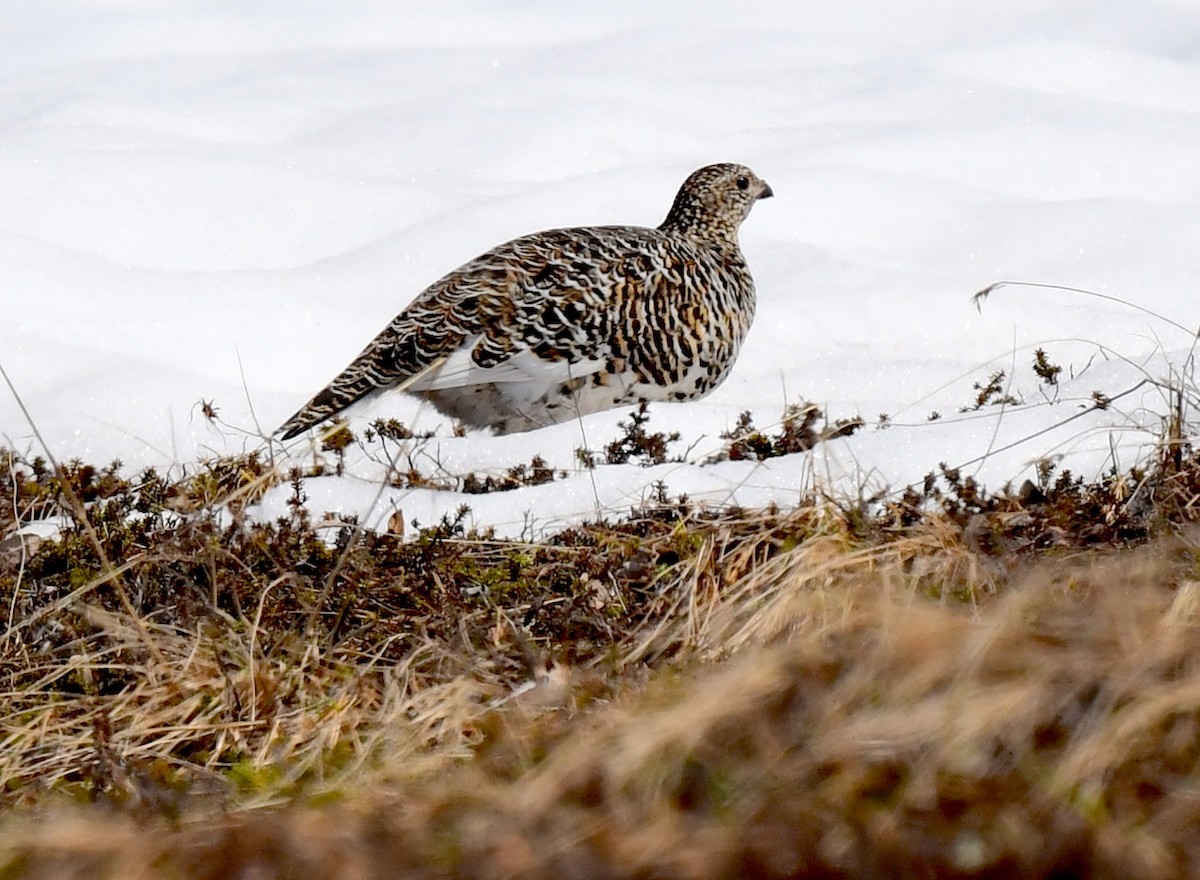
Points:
x=459 y=369
x=538 y=307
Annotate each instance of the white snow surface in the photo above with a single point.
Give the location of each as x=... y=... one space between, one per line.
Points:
x=224 y=201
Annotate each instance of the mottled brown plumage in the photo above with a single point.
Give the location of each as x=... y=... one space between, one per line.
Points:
x=568 y=322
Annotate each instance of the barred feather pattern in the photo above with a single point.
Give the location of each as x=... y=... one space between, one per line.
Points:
x=567 y=322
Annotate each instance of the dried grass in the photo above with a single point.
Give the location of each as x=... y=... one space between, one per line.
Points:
x=837 y=715
x=985 y=686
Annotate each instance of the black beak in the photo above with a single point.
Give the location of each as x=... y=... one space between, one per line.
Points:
x=767 y=192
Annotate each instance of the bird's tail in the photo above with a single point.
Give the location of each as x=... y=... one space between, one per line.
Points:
x=413 y=344
x=328 y=402
x=376 y=370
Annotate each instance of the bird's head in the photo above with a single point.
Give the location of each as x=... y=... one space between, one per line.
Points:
x=713 y=202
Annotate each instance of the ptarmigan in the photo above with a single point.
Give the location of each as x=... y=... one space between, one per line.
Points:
x=568 y=322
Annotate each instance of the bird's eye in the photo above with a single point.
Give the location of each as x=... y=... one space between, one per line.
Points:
x=743 y=182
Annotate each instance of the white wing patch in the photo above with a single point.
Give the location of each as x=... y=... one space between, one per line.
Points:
x=458 y=370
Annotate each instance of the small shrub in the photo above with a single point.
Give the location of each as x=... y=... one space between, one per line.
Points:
x=536 y=473
x=991 y=393
x=1045 y=370
x=798 y=431
x=637 y=444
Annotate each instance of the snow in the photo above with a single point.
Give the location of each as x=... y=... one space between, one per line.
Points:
x=224 y=201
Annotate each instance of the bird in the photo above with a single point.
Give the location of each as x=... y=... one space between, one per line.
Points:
x=567 y=322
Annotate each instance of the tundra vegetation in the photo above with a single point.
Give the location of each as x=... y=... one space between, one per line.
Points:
x=940 y=681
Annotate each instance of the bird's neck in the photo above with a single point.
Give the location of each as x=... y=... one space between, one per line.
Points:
x=715 y=235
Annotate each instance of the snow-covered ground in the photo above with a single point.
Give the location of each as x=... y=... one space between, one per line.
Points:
x=223 y=201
